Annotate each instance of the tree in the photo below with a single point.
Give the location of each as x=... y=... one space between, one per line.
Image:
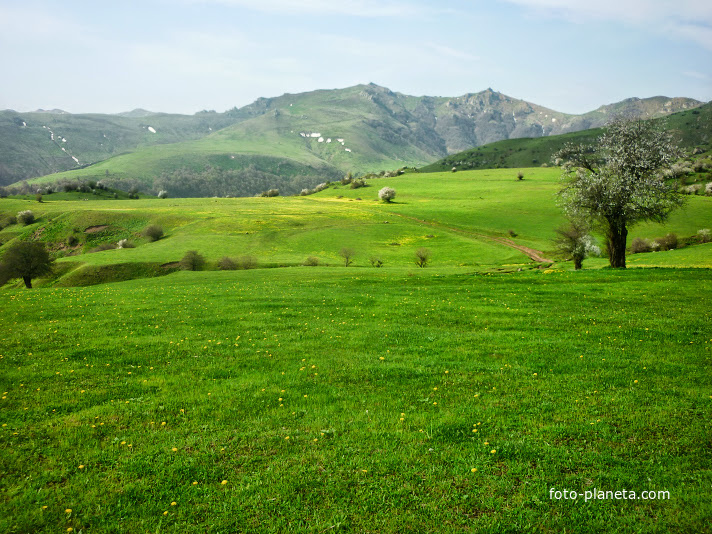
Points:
x=574 y=240
x=387 y=194
x=347 y=254
x=26 y=260
x=620 y=181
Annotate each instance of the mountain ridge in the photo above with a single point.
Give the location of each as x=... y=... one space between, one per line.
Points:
x=365 y=128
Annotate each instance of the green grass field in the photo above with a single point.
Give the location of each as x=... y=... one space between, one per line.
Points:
x=316 y=399
x=302 y=400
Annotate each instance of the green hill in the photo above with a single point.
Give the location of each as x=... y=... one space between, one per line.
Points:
x=296 y=141
x=691 y=128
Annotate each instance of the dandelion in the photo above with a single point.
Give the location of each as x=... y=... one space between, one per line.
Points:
x=165 y=513
x=635 y=381
x=287 y=437
x=123 y=443
x=223 y=482
x=68 y=511
x=474 y=470
x=81 y=467
x=174 y=449
x=474 y=430
x=493 y=451
x=174 y=503
x=195 y=483
x=381 y=358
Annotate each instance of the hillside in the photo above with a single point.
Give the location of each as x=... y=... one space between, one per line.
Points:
x=296 y=141
x=692 y=129
x=44 y=142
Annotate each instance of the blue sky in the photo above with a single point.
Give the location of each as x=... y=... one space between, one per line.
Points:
x=187 y=55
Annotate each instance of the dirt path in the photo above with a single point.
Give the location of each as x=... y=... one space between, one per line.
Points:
x=534 y=255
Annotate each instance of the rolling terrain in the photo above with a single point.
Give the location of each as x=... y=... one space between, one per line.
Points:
x=293 y=398
x=295 y=141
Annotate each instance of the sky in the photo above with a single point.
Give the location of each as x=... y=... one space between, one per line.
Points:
x=183 y=56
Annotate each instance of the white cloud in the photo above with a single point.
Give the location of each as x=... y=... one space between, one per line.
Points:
x=356 y=8
x=686 y=19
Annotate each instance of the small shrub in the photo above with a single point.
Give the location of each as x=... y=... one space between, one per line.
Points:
x=133 y=193
x=125 y=243
x=38 y=197
x=358 y=183
x=708 y=189
x=227 y=264
x=640 y=245
x=153 y=232
x=703 y=235
x=246 y=262
x=26 y=217
x=311 y=261
x=163 y=194
x=72 y=241
x=305 y=192
x=270 y=193
x=512 y=233
x=347 y=254
x=422 y=257
x=321 y=187
x=669 y=242
x=192 y=261
x=387 y=194
x=454 y=169
x=375 y=261
x=520 y=175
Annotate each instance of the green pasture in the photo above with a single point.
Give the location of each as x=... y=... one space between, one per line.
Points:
x=347 y=400
x=457 y=216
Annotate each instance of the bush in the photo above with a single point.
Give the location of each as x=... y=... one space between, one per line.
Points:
x=192 y=261
x=704 y=235
x=375 y=261
x=512 y=233
x=133 y=192
x=640 y=245
x=669 y=242
x=387 y=194
x=153 y=232
x=246 y=262
x=454 y=169
x=347 y=254
x=311 y=261
x=270 y=193
x=708 y=189
x=26 y=217
x=358 y=183
x=227 y=264
x=422 y=257
x=163 y=193
x=72 y=241
x=38 y=198
x=520 y=175
x=125 y=243
x=7 y=220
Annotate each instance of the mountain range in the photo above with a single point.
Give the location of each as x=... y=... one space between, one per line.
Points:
x=291 y=141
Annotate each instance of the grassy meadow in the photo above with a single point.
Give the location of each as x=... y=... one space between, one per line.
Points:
x=329 y=399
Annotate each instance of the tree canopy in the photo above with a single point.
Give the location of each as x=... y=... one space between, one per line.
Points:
x=619 y=181
x=26 y=260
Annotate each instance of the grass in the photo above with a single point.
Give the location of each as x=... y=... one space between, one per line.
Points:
x=319 y=399
x=332 y=399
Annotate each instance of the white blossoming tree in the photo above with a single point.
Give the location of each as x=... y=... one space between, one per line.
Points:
x=620 y=181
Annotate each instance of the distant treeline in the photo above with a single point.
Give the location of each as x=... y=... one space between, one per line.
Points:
x=246 y=182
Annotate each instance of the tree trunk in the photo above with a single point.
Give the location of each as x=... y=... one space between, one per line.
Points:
x=28 y=282
x=578 y=262
x=616 y=240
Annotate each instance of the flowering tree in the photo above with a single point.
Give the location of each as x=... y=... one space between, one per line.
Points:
x=619 y=181
x=387 y=194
